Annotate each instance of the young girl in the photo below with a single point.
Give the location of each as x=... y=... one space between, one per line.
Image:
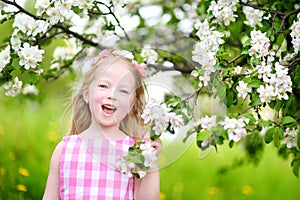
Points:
x=106 y=122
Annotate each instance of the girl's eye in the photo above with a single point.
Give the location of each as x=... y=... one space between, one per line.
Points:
x=124 y=91
x=103 y=86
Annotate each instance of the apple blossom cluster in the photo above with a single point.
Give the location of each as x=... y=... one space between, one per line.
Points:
x=13 y=88
x=141 y=157
x=223 y=11
x=29 y=25
x=149 y=55
x=243 y=89
x=277 y=85
x=290 y=138
x=235 y=128
x=57 y=10
x=253 y=16
x=295 y=34
x=205 y=51
x=30 y=56
x=207 y=122
x=160 y=117
x=259 y=44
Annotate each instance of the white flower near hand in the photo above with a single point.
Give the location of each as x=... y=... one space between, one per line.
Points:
x=4 y=57
x=149 y=153
x=290 y=138
x=243 y=89
x=30 y=56
x=13 y=88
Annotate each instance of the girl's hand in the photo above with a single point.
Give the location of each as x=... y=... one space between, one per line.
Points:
x=157 y=145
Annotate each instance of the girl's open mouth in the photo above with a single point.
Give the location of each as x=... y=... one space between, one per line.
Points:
x=108 y=109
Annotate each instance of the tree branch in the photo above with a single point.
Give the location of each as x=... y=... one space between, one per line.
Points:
x=284 y=18
x=60 y=26
x=115 y=17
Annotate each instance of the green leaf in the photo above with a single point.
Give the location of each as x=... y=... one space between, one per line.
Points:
x=76 y=9
x=254 y=84
x=229 y=98
x=15 y=63
x=255 y=100
x=296 y=165
x=296 y=82
x=269 y=135
x=287 y=120
x=276 y=137
x=32 y=78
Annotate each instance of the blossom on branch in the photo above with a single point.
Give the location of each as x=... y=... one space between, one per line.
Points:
x=253 y=16
x=30 y=56
x=13 y=88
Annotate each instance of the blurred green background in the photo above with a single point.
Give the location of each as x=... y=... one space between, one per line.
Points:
x=29 y=131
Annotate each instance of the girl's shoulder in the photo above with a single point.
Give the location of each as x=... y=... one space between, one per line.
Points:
x=70 y=138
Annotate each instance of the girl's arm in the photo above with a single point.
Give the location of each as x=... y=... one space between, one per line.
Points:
x=52 y=186
x=148 y=188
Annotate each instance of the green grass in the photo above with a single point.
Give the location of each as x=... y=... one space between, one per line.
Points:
x=29 y=132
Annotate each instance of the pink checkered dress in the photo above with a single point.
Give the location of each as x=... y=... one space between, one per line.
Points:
x=87 y=169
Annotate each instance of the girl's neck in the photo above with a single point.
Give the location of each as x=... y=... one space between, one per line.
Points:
x=96 y=131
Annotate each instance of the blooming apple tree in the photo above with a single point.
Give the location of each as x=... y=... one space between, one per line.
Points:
x=245 y=53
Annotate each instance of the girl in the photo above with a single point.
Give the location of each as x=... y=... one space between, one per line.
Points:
x=106 y=122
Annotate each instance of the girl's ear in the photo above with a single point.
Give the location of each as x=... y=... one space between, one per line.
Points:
x=132 y=104
x=85 y=96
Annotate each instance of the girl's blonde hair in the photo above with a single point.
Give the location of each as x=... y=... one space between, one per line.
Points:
x=132 y=124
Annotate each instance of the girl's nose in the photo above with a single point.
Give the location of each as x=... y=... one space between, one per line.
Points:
x=111 y=95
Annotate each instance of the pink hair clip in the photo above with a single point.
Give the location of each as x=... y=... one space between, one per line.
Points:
x=125 y=54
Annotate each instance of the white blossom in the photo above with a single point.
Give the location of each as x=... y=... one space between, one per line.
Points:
x=235 y=128
x=253 y=16
x=29 y=25
x=15 y=41
x=4 y=57
x=13 y=88
x=259 y=44
x=223 y=10
x=295 y=34
x=30 y=56
x=243 y=89
x=53 y=15
x=149 y=153
x=160 y=116
x=30 y=89
x=149 y=55
x=266 y=93
x=41 y=6
x=237 y=70
x=290 y=138
x=208 y=122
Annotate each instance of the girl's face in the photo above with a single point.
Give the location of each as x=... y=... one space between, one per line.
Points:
x=111 y=94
